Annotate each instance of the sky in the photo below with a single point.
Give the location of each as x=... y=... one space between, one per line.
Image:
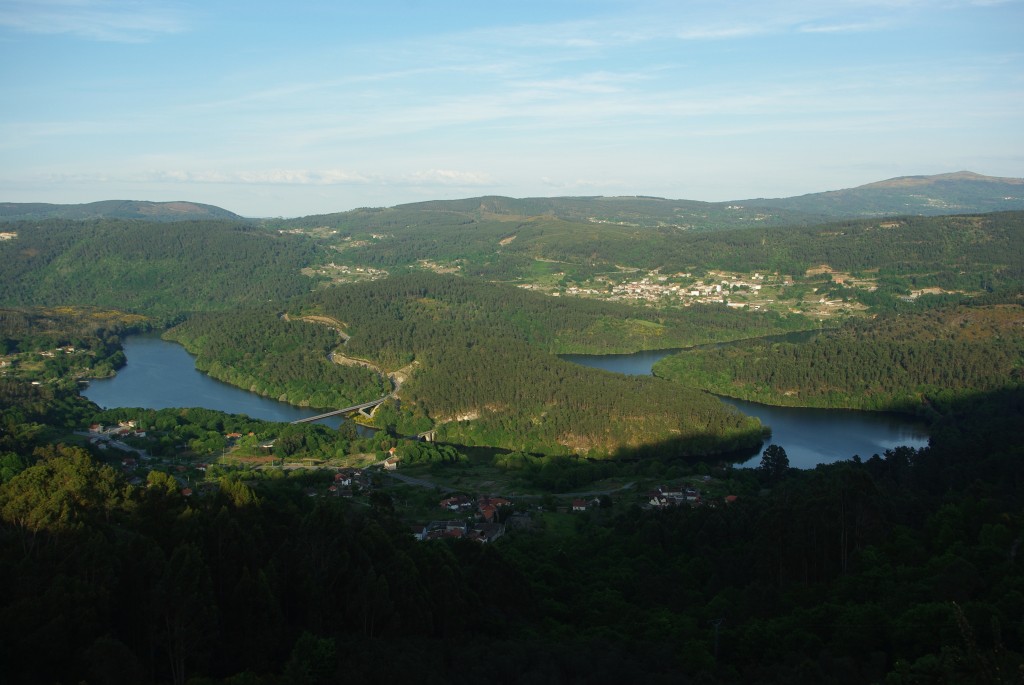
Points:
x=315 y=106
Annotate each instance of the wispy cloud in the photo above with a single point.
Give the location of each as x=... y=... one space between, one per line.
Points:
x=859 y=27
x=319 y=177
x=447 y=177
x=720 y=32
x=125 y=21
x=266 y=177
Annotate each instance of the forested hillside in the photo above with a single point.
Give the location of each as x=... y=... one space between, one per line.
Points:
x=971 y=252
x=157 y=269
x=484 y=371
x=955 y=193
x=114 y=209
x=961 y=192
x=288 y=360
x=165 y=269
x=912 y=361
x=185 y=549
x=902 y=569
x=628 y=211
x=557 y=325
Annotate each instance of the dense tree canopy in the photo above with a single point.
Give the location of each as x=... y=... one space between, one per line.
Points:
x=157 y=269
x=899 y=568
x=910 y=361
x=289 y=360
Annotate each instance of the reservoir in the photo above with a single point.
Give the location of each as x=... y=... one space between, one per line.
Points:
x=809 y=436
x=161 y=374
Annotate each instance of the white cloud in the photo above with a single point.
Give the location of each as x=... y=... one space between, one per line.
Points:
x=842 y=28
x=314 y=177
x=719 y=32
x=449 y=177
x=125 y=21
x=268 y=177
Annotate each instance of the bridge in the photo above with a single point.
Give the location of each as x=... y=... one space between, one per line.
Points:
x=361 y=408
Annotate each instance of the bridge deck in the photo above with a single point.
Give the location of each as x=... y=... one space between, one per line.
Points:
x=346 y=410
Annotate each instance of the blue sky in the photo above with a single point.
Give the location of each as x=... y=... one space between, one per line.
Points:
x=305 y=107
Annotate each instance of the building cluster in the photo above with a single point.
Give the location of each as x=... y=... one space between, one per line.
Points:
x=673 y=496
x=12 y=360
x=479 y=531
x=348 y=273
x=486 y=508
x=104 y=436
x=656 y=288
x=349 y=481
x=485 y=526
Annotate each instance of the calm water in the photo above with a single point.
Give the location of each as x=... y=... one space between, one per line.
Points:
x=809 y=436
x=161 y=374
x=636 y=364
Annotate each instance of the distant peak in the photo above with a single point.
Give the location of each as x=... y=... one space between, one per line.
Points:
x=914 y=181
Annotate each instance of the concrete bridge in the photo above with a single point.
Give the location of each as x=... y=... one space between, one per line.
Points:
x=366 y=409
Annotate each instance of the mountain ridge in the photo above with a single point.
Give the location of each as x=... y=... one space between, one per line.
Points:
x=960 y=192
x=179 y=210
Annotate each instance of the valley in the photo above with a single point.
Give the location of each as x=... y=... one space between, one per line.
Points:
x=503 y=498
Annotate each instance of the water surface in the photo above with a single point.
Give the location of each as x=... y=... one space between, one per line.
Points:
x=809 y=436
x=161 y=374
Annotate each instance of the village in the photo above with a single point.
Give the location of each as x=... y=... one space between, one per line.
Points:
x=482 y=518
x=825 y=293
x=735 y=290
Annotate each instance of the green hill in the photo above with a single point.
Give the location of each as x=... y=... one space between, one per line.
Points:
x=114 y=209
x=161 y=271
x=963 y=192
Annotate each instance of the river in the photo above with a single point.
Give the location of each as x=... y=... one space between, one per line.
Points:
x=809 y=436
x=161 y=374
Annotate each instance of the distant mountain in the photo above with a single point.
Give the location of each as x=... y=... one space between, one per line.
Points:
x=114 y=209
x=963 y=192
x=629 y=211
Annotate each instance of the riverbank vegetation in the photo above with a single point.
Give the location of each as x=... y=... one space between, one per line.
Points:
x=261 y=351
x=482 y=375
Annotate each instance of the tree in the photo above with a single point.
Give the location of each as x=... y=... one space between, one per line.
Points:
x=774 y=462
x=185 y=611
x=313 y=660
